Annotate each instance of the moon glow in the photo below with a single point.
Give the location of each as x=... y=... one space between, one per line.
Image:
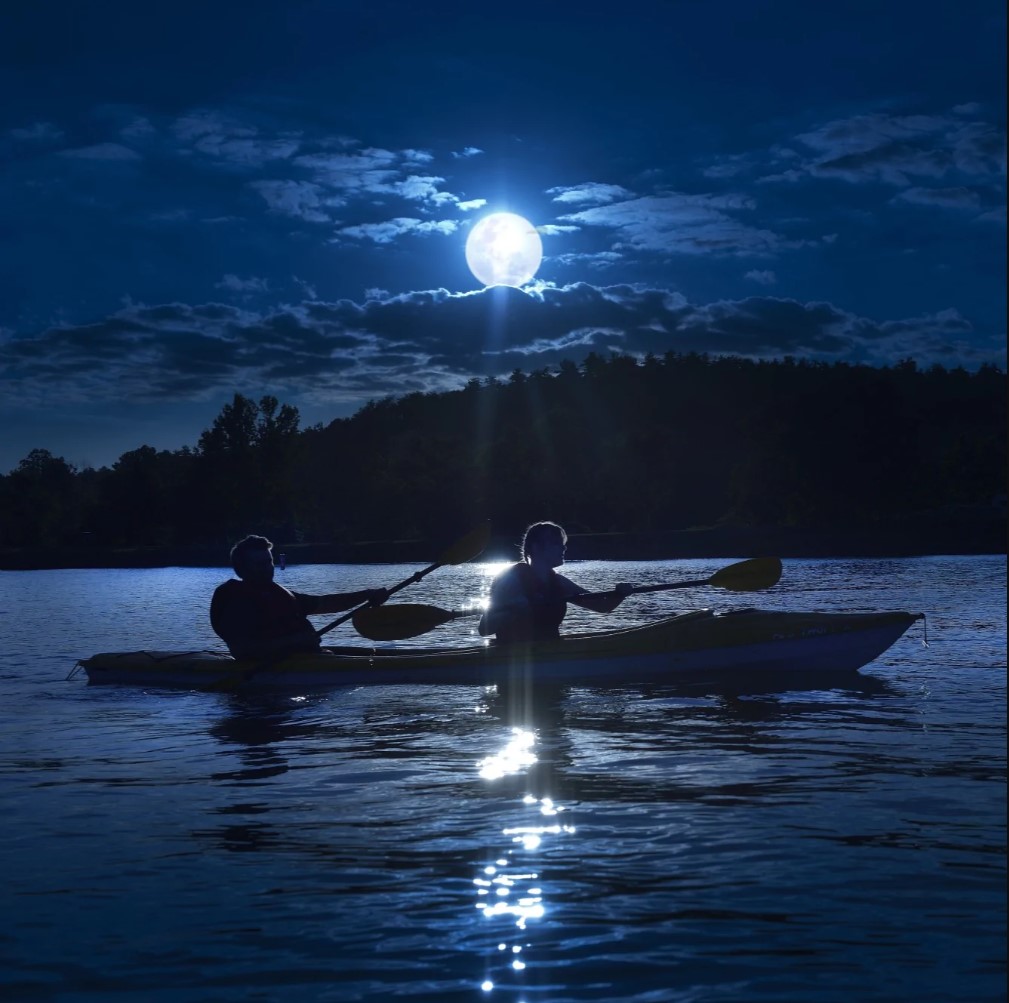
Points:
x=504 y=250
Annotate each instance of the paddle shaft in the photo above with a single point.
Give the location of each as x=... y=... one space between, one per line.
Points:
x=464 y=549
x=416 y=577
x=607 y=602
x=641 y=589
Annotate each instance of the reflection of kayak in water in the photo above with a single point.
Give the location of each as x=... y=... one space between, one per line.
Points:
x=694 y=645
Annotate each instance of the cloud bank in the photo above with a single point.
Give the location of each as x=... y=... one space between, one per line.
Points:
x=348 y=352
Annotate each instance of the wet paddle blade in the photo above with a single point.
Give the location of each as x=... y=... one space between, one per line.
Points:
x=399 y=621
x=748 y=576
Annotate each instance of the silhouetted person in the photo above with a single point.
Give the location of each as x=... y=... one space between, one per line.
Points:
x=257 y=618
x=529 y=600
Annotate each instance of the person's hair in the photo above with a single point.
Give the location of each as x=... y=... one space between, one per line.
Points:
x=244 y=547
x=539 y=533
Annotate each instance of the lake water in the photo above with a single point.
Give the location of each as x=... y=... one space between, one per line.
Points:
x=437 y=844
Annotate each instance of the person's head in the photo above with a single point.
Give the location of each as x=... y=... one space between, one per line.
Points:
x=252 y=558
x=544 y=542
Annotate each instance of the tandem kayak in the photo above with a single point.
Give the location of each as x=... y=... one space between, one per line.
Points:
x=699 y=644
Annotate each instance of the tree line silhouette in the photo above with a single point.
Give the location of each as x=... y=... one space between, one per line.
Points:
x=608 y=445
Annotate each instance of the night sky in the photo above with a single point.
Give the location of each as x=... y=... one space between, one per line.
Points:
x=198 y=199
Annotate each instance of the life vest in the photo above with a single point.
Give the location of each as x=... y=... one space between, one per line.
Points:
x=244 y=614
x=547 y=608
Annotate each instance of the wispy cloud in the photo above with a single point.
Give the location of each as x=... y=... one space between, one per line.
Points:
x=683 y=224
x=944 y=198
x=230 y=141
x=101 y=151
x=894 y=149
x=301 y=199
x=388 y=230
x=589 y=193
x=37 y=132
x=594 y=259
x=234 y=284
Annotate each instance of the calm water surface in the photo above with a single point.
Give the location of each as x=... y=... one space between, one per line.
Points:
x=637 y=844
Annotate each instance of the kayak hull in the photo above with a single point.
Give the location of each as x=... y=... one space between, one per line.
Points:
x=690 y=646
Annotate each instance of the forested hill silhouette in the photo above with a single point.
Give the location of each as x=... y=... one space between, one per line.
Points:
x=680 y=455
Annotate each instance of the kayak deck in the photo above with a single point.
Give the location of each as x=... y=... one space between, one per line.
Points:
x=699 y=644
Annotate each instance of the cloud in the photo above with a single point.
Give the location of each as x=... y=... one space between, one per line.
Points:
x=418 y=188
x=346 y=353
x=765 y=278
x=37 y=132
x=729 y=167
x=996 y=215
x=375 y=171
x=231 y=142
x=894 y=149
x=594 y=259
x=235 y=284
x=390 y=229
x=682 y=224
x=418 y=156
x=471 y=204
x=465 y=153
x=300 y=199
x=336 y=169
x=368 y=170
x=589 y=193
x=101 y=151
x=945 y=198
x=139 y=127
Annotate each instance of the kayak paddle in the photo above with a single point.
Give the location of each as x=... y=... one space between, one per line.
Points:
x=463 y=550
x=745 y=576
x=404 y=620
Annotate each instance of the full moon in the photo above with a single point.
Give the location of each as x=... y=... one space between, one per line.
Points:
x=504 y=250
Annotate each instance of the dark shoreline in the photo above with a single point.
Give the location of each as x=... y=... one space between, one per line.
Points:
x=983 y=533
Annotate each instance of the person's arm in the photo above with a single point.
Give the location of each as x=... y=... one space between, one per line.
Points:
x=337 y=602
x=571 y=589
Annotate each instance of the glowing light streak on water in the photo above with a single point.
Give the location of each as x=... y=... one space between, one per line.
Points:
x=516 y=756
x=508 y=892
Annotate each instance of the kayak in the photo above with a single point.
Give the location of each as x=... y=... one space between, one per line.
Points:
x=697 y=645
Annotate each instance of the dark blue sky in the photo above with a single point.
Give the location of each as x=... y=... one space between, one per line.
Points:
x=274 y=197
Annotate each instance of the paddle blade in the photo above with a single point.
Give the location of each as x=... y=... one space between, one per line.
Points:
x=399 y=621
x=465 y=549
x=748 y=576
